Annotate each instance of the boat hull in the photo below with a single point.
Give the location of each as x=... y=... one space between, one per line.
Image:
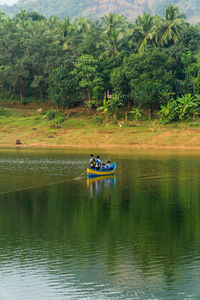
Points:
x=95 y=173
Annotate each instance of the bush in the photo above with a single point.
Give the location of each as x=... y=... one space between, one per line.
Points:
x=137 y=113
x=184 y=108
x=169 y=113
x=51 y=113
x=24 y=101
x=188 y=106
x=60 y=118
x=98 y=120
x=3 y=111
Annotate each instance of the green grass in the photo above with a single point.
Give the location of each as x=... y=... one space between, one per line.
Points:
x=32 y=128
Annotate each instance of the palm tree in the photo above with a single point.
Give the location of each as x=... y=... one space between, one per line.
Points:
x=112 y=21
x=144 y=28
x=112 y=44
x=170 y=28
x=114 y=35
x=83 y=25
x=64 y=31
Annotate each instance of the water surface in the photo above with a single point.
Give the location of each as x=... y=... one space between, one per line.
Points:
x=132 y=236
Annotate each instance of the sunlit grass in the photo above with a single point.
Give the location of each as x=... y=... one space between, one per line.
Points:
x=35 y=129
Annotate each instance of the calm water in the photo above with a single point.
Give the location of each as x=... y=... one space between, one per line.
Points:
x=132 y=236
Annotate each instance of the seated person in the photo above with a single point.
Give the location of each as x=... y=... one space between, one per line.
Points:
x=98 y=163
x=108 y=166
x=92 y=161
x=103 y=167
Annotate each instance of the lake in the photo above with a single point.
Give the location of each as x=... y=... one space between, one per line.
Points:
x=132 y=236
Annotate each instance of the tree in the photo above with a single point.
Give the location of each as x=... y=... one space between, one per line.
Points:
x=25 y=16
x=115 y=103
x=148 y=78
x=114 y=36
x=144 y=30
x=22 y=75
x=64 y=33
x=170 y=28
x=87 y=37
x=105 y=108
x=86 y=71
x=62 y=87
x=189 y=71
x=4 y=71
x=111 y=106
x=119 y=81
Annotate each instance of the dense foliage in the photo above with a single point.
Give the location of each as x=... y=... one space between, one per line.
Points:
x=151 y=62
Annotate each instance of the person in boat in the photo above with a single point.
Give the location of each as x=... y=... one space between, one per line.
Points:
x=98 y=163
x=92 y=161
x=103 y=167
x=108 y=166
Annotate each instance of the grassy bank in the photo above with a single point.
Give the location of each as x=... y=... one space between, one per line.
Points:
x=33 y=129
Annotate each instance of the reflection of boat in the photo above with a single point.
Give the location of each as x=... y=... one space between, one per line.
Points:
x=100 y=178
x=93 y=173
x=101 y=185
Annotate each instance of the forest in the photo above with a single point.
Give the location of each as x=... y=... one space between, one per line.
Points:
x=150 y=64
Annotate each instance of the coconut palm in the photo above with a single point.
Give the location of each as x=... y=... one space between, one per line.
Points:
x=169 y=29
x=112 y=21
x=114 y=35
x=143 y=31
x=112 y=44
x=64 y=31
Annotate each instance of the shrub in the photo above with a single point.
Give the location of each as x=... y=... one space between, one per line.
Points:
x=187 y=106
x=3 y=111
x=51 y=113
x=60 y=118
x=137 y=113
x=169 y=113
x=24 y=101
x=184 y=108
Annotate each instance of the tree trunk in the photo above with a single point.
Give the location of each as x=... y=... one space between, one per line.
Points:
x=2 y=90
x=89 y=99
x=89 y=94
x=129 y=103
x=21 y=89
x=106 y=95
x=11 y=90
x=41 y=90
x=106 y=117
x=126 y=116
x=150 y=113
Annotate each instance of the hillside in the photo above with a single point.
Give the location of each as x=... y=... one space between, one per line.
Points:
x=97 y=8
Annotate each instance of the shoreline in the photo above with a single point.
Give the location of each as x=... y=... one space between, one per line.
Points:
x=99 y=147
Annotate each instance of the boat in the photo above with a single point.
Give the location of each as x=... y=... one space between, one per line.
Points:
x=93 y=173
